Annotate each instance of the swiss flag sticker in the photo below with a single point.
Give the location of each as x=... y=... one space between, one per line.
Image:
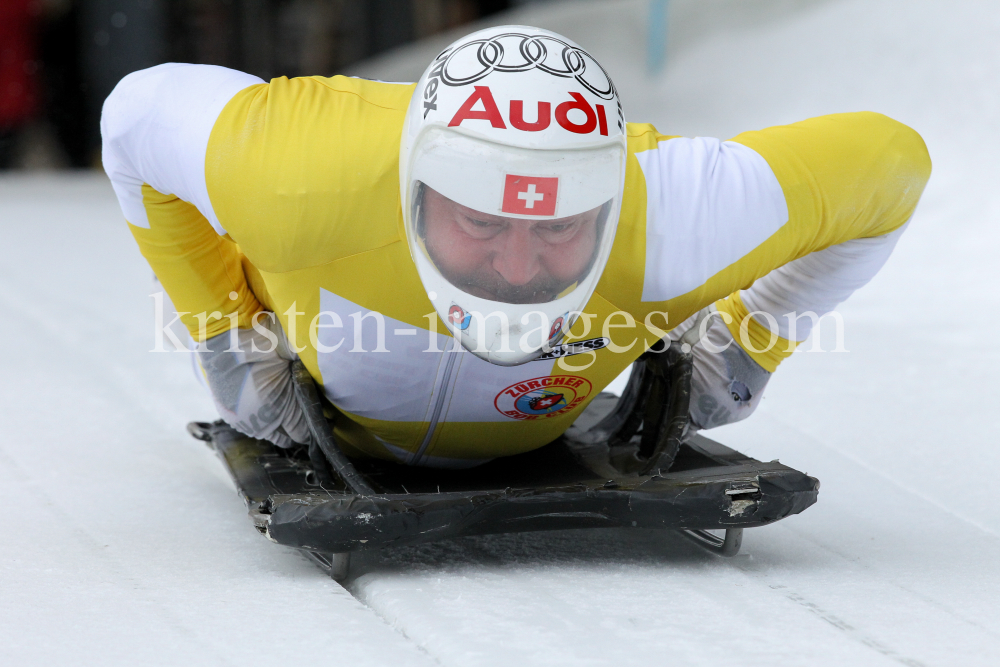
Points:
x=530 y=195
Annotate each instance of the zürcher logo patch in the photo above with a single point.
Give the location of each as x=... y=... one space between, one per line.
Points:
x=543 y=397
x=530 y=195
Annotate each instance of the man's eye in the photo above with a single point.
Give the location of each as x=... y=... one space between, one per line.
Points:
x=481 y=223
x=557 y=228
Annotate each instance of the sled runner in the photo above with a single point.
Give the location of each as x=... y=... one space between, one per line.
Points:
x=626 y=462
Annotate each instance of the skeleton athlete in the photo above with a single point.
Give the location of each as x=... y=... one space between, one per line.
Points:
x=464 y=263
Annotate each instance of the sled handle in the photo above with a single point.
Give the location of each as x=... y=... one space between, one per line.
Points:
x=308 y=398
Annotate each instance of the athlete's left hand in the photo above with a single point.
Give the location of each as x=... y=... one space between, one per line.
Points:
x=727 y=384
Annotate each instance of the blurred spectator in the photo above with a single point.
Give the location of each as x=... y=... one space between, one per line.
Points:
x=65 y=88
x=305 y=37
x=59 y=59
x=18 y=72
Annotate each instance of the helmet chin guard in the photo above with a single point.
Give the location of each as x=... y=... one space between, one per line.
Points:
x=512 y=165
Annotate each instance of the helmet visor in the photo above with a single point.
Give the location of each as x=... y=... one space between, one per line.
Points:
x=508 y=259
x=510 y=243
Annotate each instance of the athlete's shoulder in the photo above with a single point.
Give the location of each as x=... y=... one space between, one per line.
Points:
x=344 y=97
x=382 y=94
x=304 y=171
x=644 y=137
x=841 y=149
x=155 y=126
x=691 y=208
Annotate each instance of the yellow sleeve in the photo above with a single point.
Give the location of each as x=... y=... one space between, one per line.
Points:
x=844 y=177
x=765 y=347
x=834 y=178
x=200 y=270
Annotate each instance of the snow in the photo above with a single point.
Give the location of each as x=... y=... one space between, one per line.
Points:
x=124 y=542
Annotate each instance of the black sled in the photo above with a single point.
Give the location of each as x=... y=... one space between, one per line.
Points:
x=628 y=462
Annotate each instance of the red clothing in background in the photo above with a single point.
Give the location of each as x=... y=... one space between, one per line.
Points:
x=18 y=61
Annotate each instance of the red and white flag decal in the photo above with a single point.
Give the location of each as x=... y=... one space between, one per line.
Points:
x=530 y=195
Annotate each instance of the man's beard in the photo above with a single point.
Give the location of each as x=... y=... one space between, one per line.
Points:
x=486 y=283
x=495 y=288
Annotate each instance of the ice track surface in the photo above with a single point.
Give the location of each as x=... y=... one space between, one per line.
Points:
x=123 y=542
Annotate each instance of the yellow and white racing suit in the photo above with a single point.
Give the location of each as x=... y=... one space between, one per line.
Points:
x=284 y=196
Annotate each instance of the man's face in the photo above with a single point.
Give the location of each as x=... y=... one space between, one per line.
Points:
x=511 y=260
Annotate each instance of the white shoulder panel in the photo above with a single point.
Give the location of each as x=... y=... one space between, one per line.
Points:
x=708 y=204
x=155 y=128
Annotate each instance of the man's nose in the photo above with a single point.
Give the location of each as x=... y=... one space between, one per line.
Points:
x=516 y=258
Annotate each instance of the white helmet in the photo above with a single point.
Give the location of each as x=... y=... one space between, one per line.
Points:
x=512 y=166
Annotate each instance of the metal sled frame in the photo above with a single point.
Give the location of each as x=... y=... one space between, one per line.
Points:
x=626 y=463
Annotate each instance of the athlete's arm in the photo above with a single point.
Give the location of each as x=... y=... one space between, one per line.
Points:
x=772 y=229
x=155 y=127
x=792 y=218
x=781 y=308
x=850 y=182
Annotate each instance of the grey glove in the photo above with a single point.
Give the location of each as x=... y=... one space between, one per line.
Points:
x=727 y=384
x=252 y=386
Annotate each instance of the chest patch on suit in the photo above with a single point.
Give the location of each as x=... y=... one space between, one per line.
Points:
x=543 y=397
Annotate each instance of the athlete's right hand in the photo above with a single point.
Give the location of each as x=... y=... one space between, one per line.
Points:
x=251 y=382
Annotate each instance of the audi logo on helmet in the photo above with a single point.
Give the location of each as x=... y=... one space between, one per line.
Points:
x=595 y=116
x=546 y=53
x=472 y=61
